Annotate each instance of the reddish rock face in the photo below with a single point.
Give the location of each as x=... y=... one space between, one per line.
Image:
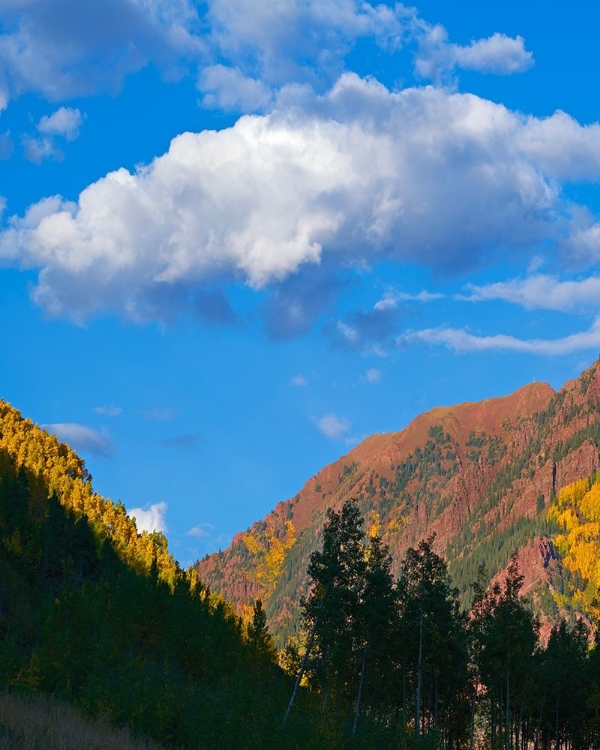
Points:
x=475 y=474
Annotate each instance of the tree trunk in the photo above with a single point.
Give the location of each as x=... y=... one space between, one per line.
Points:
x=556 y=736
x=404 y=695
x=419 y=676
x=358 y=695
x=507 y=721
x=473 y=709
x=435 y=704
x=309 y=645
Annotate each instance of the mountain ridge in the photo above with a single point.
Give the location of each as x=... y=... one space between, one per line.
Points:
x=475 y=473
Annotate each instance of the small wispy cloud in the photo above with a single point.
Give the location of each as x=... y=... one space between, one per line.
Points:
x=372 y=375
x=390 y=300
x=83 y=439
x=165 y=414
x=461 y=340
x=110 y=410
x=6 y=145
x=184 y=442
x=299 y=381
x=498 y=54
x=201 y=531
x=150 y=517
x=367 y=330
x=333 y=427
x=39 y=149
x=540 y=291
x=63 y=124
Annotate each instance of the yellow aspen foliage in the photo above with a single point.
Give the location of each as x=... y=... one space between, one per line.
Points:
x=59 y=469
x=375 y=526
x=590 y=503
x=245 y=612
x=576 y=511
x=268 y=551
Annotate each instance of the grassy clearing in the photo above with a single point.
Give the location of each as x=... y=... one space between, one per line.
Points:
x=44 y=723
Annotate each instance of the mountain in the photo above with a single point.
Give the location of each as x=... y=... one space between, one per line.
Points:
x=480 y=476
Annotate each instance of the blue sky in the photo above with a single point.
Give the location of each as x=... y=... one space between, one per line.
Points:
x=236 y=238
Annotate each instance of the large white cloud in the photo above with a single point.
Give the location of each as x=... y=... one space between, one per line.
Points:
x=361 y=173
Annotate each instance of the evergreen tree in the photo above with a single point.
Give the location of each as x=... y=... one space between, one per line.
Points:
x=259 y=638
x=435 y=660
x=508 y=634
x=377 y=623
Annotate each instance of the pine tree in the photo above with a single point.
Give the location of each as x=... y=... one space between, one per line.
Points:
x=259 y=638
x=336 y=574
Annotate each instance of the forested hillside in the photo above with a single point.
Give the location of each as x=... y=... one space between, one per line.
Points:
x=94 y=612
x=481 y=476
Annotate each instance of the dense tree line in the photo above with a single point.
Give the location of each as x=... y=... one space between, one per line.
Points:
x=85 y=618
x=399 y=660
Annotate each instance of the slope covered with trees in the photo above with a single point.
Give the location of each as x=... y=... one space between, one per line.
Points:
x=102 y=616
x=481 y=476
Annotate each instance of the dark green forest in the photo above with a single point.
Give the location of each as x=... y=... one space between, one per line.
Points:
x=96 y=614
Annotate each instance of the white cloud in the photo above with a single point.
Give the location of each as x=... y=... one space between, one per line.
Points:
x=306 y=43
x=391 y=300
x=64 y=49
x=182 y=442
x=437 y=58
x=301 y=42
x=563 y=149
x=150 y=517
x=541 y=292
x=230 y=90
x=65 y=122
x=249 y=51
x=299 y=381
x=422 y=175
x=333 y=427
x=6 y=145
x=82 y=438
x=110 y=410
x=499 y=54
x=582 y=246
x=372 y=375
x=461 y=340
x=201 y=531
x=165 y=414
x=38 y=149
